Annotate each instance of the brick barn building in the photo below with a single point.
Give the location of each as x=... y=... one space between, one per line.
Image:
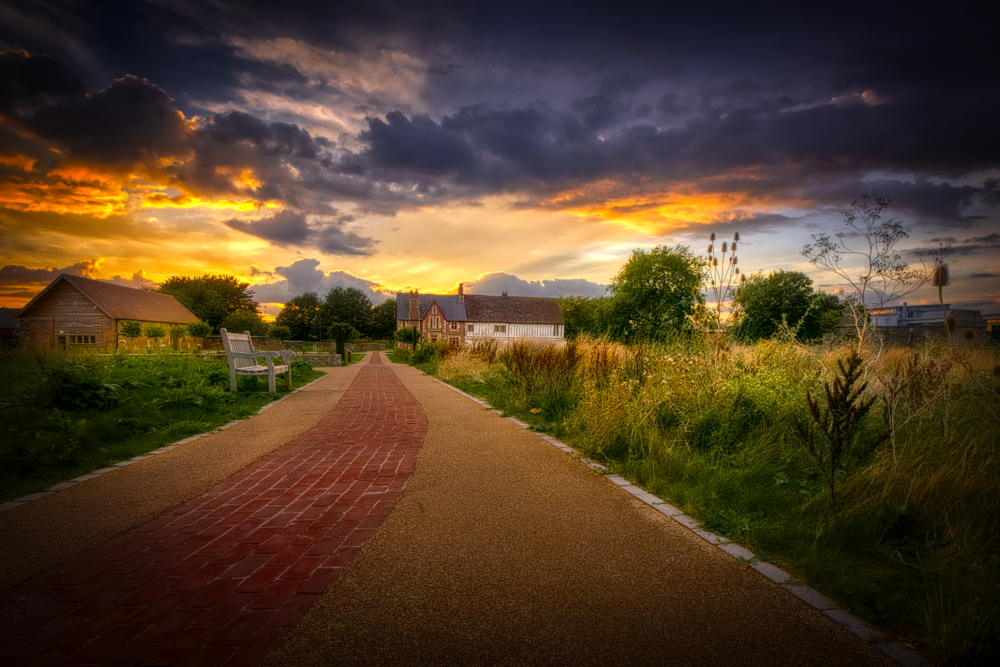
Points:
x=75 y=312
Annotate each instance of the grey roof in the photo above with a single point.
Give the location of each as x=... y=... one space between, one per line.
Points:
x=485 y=308
x=123 y=303
x=513 y=309
x=451 y=307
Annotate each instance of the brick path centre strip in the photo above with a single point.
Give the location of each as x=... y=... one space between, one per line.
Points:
x=221 y=579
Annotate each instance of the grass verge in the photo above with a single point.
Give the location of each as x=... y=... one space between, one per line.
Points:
x=68 y=415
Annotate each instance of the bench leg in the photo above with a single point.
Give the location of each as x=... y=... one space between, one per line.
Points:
x=288 y=378
x=271 y=388
x=232 y=380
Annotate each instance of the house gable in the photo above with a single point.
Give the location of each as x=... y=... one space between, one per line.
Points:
x=115 y=301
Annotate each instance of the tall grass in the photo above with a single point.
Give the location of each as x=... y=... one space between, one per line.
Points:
x=911 y=541
x=62 y=415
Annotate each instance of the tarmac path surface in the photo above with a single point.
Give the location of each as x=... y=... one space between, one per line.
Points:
x=220 y=578
x=393 y=522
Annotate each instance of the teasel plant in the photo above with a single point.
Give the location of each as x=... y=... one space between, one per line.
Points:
x=941 y=278
x=724 y=275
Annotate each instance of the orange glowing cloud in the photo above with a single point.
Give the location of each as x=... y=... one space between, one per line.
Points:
x=163 y=200
x=66 y=190
x=22 y=162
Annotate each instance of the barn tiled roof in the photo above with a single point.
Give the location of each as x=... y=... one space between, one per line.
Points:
x=124 y=303
x=513 y=309
x=451 y=307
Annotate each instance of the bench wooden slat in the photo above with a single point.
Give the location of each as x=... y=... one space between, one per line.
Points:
x=243 y=358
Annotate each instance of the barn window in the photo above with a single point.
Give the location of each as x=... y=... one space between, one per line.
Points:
x=83 y=340
x=555 y=329
x=60 y=303
x=470 y=328
x=499 y=328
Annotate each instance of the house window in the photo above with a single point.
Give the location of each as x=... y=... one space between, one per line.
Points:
x=470 y=328
x=83 y=340
x=454 y=326
x=555 y=329
x=499 y=328
x=435 y=322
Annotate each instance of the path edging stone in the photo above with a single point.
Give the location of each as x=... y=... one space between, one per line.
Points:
x=894 y=648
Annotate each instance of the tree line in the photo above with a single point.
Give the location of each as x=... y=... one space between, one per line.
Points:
x=223 y=301
x=661 y=291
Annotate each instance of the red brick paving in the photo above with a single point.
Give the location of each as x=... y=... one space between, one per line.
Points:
x=221 y=579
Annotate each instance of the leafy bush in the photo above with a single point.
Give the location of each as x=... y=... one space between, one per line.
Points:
x=199 y=329
x=154 y=331
x=280 y=332
x=131 y=329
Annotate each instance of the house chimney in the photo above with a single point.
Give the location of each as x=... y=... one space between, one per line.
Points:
x=504 y=293
x=461 y=291
x=415 y=306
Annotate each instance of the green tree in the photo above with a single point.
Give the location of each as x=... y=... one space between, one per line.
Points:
x=654 y=293
x=155 y=331
x=383 y=320
x=409 y=335
x=131 y=329
x=300 y=315
x=210 y=297
x=177 y=332
x=764 y=300
x=245 y=320
x=348 y=306
x=199 y=329
x=583 y=315
x=279 y=331
x=350 y=333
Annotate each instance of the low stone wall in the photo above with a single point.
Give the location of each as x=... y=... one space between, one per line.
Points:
x=364 y=347
x=320 y=359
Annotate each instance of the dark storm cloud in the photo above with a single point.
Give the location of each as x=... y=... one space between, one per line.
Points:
x=26 y=81
x=291 y=228
x=129 y=122
x=281 y=228
x=419 y=144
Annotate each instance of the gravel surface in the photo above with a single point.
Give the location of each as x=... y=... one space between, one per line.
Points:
x=505 y=551
x=49 y=531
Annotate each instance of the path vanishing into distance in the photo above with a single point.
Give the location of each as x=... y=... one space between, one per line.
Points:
x=378 y=517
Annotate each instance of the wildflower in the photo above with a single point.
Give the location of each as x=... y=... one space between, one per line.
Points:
x=663 y=382
x=670 y=359
x=536 y=410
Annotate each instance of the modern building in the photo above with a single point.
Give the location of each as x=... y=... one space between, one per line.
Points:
x=75 y=312
x=923 y=315
x=464 y=319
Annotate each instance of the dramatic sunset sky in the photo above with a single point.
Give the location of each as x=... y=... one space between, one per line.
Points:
x=526 y=146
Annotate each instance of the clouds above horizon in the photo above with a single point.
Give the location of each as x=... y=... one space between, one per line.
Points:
x=275 y=135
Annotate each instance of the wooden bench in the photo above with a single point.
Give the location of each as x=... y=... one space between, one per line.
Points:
x=243 y=358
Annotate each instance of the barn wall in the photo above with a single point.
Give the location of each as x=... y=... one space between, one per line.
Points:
x=64 y=311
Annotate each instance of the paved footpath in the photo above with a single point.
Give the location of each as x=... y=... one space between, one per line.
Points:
x=505 y=551
x=221 y=578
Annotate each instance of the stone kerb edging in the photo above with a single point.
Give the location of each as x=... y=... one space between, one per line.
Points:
x=893 y=647
x=17 y=502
